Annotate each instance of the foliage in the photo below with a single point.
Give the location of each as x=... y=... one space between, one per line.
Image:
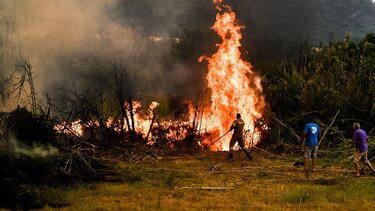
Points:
x=35 y=181
x=22 y=177
x=330 y=78
x=26 y=128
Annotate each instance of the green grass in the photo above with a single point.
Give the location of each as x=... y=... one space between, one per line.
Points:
x=210 y=182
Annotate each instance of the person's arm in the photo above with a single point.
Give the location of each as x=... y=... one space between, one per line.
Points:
x=232 y=126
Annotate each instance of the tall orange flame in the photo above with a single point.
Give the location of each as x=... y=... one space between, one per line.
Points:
x=234 y=86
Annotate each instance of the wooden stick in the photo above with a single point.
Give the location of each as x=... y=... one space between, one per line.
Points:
x=325 y=132
x=207 y=188
x=371 y=131
x=142 y=159
x=219 y=138
x=213 y=168
x=149 y=130
x=364 y=166
x=291 y=130
x=265 y=151
x=65 y=125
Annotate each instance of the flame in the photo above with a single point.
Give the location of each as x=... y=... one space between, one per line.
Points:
x=143 y=122
x=234 y=86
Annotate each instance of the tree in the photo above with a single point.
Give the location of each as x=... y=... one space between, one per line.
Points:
x=339 y=76
x=23 y=68
x=126 y=86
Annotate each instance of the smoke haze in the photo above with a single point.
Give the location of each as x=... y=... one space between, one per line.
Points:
x=51 y=33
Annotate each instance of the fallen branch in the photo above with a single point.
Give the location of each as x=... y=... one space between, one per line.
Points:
x=291 y=129
x=118 y=157
x=207 y=188
x=83 y=159
x=142 y=159
x=265 y=151
x=215 y=167
x=364 y=166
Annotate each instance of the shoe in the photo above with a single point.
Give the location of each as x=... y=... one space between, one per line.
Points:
x=357 y=175
x=250 y=157
x=372 y=173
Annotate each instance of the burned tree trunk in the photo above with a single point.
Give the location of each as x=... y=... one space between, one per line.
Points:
x=131 y=114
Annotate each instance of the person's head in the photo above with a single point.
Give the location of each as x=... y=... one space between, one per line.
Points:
x=310 y=119
x=356 y=126
x=238 y=115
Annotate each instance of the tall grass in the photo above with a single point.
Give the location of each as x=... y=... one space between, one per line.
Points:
x=189 y=184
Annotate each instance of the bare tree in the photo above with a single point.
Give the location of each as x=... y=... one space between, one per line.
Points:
x=23 y=69
x=127 y=86
x=105 y=88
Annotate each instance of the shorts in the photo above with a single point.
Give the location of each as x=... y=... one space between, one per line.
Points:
x=310 y=151
x=358 y=156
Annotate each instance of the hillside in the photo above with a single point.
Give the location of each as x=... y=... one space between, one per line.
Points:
x=284 y=25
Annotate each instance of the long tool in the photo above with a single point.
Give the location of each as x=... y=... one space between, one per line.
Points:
x=363 y=168
x=219 y=138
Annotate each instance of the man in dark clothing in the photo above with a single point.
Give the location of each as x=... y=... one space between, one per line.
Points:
x=237 y=127
x=360 y=141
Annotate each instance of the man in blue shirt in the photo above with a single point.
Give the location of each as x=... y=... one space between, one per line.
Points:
x=310 y=135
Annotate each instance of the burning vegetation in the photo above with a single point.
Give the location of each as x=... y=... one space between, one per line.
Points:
x=105 y=112
x=234 y=88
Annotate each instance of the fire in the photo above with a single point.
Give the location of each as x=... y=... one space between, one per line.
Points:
x=234 y=86
x=142 y=122
x=175 y=131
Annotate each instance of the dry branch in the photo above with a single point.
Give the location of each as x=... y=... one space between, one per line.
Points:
x=207 y=188
x=263 y=150
x=291 y=129
x=149 y=130
x=330 y=125
x=215 y=167
x=141 y=159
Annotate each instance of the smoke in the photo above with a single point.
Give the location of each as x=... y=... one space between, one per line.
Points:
x=51 y=33
x=14 y=146
x=35 y=150
x=47 y=32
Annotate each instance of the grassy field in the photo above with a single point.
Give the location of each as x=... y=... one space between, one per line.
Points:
x=208 y=181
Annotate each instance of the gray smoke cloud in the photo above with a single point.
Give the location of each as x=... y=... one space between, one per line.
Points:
x=53 y=32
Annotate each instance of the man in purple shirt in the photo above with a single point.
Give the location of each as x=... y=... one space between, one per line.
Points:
x=310 y=134
x=360 y=140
